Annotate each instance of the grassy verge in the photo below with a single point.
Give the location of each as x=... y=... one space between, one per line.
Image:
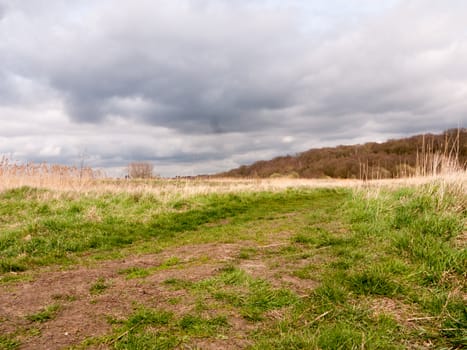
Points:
x=38 y=229
x=396 y=279
x=338 y=269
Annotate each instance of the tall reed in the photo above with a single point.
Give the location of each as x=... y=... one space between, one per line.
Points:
x=43 y=175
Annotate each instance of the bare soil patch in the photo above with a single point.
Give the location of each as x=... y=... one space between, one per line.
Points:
x=82 y=314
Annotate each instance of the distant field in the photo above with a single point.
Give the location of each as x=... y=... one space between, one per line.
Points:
x=233 y=264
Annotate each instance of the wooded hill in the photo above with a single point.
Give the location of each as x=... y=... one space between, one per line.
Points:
x=416 y=155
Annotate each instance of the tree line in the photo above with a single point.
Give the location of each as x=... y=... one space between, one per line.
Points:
x=416 y=155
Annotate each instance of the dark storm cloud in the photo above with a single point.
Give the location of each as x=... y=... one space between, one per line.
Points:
x=199 y=66
x=194 y=87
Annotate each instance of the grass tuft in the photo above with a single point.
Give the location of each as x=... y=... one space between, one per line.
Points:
x=45 y=314
x=99 y=286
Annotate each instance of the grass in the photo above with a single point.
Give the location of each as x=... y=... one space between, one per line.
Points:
x=38 y=231
x=99 y=286
x=140 y=272
x=44 y=315
x=400 y=247
x=148 y=328
x=252 y=296
x=369 y=268
x=8 y=343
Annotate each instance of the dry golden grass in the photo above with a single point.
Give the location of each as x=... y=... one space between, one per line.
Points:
x=63 y=179
x=439 y=186
x=59 y=180
x=438 y=174
x=163 y=186
x=43 y=175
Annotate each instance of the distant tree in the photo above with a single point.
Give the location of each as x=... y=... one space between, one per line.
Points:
x=140 y=170
x=394 y=158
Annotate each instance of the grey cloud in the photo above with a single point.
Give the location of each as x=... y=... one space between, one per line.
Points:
x=253 y=72
x=200 y=77
x=198 y=99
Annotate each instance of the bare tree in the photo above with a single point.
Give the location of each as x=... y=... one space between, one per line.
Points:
x=140 y=170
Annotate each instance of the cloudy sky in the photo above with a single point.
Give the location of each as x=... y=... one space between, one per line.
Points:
x=202 y=86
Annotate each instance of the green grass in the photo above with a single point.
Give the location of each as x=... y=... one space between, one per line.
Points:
x=8 y=343
x=399 y=247
x=247 y=253
x=198 y=326
x=44 y=315
x=251 y=296
x=13 y=277
x=99 y=286
x=148 y=328
x=139 y=331
x=383 y=271
x=140 y=272
x=36 y=230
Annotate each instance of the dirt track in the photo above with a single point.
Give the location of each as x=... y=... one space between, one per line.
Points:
x=82 y=314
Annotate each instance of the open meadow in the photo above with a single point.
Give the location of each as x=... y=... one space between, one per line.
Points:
x=89 y=263
x=233 y=175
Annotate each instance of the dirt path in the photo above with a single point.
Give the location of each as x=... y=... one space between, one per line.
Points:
x=83 y=314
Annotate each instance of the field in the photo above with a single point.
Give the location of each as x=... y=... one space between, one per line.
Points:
x=233 y=264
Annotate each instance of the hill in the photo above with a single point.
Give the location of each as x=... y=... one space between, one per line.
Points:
x=417 y=154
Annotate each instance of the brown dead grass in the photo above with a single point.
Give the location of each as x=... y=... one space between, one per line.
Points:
x=404 y=314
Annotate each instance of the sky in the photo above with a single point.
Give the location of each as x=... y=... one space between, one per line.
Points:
x=203 y=86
